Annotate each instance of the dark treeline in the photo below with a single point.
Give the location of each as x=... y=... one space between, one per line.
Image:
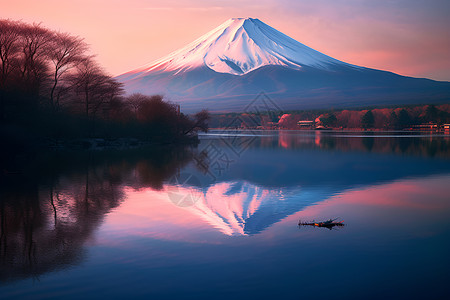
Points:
x=387 y=118
x=395 y=118
x=51 y=88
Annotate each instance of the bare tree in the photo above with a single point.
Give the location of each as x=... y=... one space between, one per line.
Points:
x=107 y=90
x=35 y=41
x=155 y=110
x=201 y=120
x=9 y=46
x=135 y=101
x=66 y=52
x=86 y=78
x=36 y=61
x=94 y=87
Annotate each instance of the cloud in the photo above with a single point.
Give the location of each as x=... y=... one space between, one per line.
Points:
x=203 y=8
x=158 y=8
x=192 y=8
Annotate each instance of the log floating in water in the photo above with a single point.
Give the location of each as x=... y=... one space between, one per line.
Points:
x=327 y=224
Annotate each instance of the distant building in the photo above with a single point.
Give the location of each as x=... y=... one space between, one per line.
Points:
x=425 y=127
x=306 y=124
x=271 y=125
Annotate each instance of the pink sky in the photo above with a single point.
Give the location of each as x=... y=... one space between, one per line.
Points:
x=151 y=213
x=409 y=37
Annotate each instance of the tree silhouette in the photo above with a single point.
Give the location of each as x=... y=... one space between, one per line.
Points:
x=393 y=121
x=51 y=88
x=135 y=101
x=201 y=120
x=367 y=120
x=35 y=45
x=93 y=87
x=404 y=119
x=433 y=114
x=66 y=53
x=329 y=120
x=9 y=48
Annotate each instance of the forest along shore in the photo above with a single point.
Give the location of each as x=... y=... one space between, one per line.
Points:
x=53 y=94
x=429 y=118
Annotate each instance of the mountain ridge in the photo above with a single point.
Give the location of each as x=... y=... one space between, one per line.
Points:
x=239 y=46
x=233 y=63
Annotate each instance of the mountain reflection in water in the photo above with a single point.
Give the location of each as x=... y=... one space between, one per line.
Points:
x=52 y=205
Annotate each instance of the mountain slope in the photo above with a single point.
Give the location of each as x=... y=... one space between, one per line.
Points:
x=229 y=66
x=241 y=208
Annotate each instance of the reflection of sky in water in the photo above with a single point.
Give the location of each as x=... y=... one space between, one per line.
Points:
x=229 y=208
x=396 y=234
x=240 y=239
x=219 y=213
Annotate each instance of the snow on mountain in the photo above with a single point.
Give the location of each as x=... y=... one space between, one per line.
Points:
x=239 y=46
x=242 y=208
x=229 y=66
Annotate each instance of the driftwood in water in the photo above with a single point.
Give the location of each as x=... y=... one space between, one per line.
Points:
x=327 y=224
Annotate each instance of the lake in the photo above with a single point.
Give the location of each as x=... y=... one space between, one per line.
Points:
x=220 y=220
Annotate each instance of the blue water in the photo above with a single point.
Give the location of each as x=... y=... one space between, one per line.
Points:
x=220 y=221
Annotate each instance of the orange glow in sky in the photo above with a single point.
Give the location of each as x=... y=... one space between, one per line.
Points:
x=409 y=37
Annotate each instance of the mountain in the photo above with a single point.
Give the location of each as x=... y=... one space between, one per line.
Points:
x=229 y=66
x=279 y=174
x=242 y=208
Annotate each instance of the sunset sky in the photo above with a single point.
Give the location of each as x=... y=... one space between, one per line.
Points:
x=409 y=37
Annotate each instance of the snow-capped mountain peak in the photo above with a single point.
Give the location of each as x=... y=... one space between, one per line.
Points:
x=239 y=46
x=228 y=67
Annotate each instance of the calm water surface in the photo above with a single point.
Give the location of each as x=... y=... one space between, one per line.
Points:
x=220 y=221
